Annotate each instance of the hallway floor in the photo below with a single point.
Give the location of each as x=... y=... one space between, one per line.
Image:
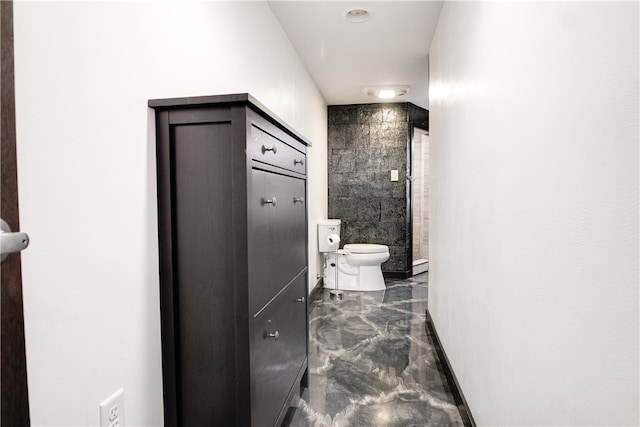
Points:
x=372 y=363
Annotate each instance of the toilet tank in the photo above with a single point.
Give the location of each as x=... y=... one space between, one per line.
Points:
x=328 y=229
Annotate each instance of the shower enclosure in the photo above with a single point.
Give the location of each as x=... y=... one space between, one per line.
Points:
x=420 y=200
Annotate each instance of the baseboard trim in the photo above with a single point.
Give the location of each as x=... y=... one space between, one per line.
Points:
x=448 y=373
x=396 y=274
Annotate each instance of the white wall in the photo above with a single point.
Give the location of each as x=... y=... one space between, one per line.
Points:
x=534 y=233
x=86 y=164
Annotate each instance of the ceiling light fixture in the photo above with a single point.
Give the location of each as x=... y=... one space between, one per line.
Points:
x=386 y=92
x=357 y=15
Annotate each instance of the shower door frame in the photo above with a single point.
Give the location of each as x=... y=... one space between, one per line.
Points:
x=409 y=189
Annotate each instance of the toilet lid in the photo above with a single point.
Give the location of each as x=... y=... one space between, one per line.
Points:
x=366 y=248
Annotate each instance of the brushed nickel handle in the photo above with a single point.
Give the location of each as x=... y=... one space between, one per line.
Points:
x=271 y=201
x=274 y=335
x=11 y=242
x=300 y=300
x=298 y=162
x=272 y=148
x=298 y=200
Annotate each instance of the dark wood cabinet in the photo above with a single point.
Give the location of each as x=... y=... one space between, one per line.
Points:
x=232 y=223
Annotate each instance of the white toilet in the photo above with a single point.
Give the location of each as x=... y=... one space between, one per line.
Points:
x=357 y=265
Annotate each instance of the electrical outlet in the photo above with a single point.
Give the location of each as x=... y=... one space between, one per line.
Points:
x=112 y=410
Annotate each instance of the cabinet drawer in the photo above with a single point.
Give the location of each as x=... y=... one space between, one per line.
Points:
x=270 y=150
x=277 y=241
x=278 y=351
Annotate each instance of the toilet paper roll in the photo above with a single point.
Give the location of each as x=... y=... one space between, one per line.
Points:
x=333 y=239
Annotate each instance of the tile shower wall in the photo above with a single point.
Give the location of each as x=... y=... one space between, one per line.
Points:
x=420 y=195
x=366 y=142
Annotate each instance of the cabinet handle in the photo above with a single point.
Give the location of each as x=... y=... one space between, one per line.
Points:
x=298 y=162
x=272 y=148
x=274 y=335
x=298 y=200
x=300 y=300
x=272 y=202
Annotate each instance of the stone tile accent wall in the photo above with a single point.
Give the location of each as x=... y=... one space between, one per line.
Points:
x=365 y=143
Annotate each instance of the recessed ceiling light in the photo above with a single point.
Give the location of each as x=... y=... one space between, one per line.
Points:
x=357 y=15
x=386 y=92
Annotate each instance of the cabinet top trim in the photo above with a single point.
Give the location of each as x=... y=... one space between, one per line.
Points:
x=230 y=99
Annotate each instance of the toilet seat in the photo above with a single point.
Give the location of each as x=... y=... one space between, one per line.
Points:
x=365 y=254
x=366 y=248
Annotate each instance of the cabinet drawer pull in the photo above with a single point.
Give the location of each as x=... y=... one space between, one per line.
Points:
x=271 y=201
x=300 y=300
x=274 y=335
x=298 y=162
x=298 y=200
x=272 y=148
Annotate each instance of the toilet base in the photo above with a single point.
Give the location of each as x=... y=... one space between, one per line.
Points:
x=363 y=278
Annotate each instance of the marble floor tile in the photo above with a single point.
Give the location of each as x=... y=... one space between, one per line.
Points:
x=371 y=362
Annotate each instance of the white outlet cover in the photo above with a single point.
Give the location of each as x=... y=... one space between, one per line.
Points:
x=394 y=175
x=112 y=410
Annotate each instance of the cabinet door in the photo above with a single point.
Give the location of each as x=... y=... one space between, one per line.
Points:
x=278 y=352
x=202 y=295
x=277 y=246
